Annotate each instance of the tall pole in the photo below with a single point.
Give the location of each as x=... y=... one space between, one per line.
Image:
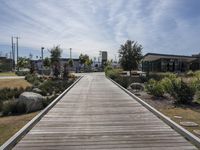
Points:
x=17 y=48
x=70 y=53
x=13 y=54
x=42 y=49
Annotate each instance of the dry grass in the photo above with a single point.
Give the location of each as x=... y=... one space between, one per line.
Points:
x=11 y=124
x=2 y=74
x=188 y=114
x=14 y=83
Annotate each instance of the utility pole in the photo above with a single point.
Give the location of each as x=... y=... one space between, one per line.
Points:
x=13 y=54
x=42 y=49
x=70 y=49
x=17 y=48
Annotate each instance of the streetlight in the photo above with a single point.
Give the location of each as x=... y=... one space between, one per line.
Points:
x=42 y=48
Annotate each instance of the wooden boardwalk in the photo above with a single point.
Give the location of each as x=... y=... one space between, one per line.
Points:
x=96 y=114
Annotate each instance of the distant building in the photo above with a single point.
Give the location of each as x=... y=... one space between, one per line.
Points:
x=75 y=68
x=153 y=62
x=6 y=64
x=103 y=58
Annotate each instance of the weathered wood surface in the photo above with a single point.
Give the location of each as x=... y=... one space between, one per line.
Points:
x=96 y=114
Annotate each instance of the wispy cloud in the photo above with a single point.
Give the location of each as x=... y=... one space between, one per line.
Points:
x=89 y=26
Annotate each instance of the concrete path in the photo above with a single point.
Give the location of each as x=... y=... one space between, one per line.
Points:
x=12 y=77
x=96 y=114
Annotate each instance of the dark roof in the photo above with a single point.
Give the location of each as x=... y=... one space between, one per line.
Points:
x=156 y=56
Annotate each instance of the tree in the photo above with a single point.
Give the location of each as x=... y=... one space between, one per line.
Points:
x=84 y=60
x=22 y=62
x=130 y=55
x=65 y=71
x=71 y=62
x=55 y=60
x=47 y=62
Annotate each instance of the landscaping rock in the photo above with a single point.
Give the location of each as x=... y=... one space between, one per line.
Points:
x=33 y=101
x=178 y=117
x=188 y=124
x=196 y=132
x=136 y=86
x=37 y=90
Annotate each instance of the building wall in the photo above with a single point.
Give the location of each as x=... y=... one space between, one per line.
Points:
x=5 y=64
x=165 y=65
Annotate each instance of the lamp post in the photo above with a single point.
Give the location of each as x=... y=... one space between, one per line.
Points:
x=42 y=49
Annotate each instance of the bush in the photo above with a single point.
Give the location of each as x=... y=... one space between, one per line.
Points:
x=167 y=85
x=22 y=73
x=7 y=93
x=1 y=105
x=13 y=107
x=33 y=79
x=190 y=73
x=182 y=93
x=155 y=88
x=9 y=107
x=48 y=100
x=160 y=76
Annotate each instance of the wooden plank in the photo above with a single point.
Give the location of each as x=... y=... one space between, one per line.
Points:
x=96 y=114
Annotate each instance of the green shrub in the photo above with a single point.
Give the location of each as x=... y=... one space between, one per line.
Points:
x=197 y=74
x=7 y=93
x=167 y=85
x=123 y=81
x=182 y=93
x=160 y=76
x=190 y=73
x=9 y=107
x=22 y=73
x=1 y=105
x=155 y=88
x=13 y=107
x=48 y=100
x=33 y=79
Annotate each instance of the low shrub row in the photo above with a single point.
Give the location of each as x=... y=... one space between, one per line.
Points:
x=13 y=107
x=34 y=79
x=8 y=93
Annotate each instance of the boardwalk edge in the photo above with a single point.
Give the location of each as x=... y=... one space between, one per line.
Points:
x=10 y=143
x=188 y=135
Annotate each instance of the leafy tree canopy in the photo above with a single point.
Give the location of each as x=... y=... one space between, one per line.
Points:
x=130 y=55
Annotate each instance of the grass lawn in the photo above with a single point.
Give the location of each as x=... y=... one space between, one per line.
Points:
x=14 y=83
x=11 y=124
x=187 y=114
x=2 y=74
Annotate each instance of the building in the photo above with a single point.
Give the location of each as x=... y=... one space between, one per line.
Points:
x=75 y=68
x=6 y=64
x=153 y=62
x=103 y=58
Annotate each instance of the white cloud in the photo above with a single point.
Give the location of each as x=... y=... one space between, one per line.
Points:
x=89 y=26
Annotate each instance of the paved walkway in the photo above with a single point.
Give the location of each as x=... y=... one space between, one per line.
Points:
x=12 y=77
x=96 y=114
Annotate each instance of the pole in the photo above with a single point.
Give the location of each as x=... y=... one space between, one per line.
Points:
x=17 y=48
x=70 y=53
x=42 y=48
x=13 y=55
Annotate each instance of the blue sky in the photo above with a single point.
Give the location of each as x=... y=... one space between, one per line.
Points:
x=88 y=26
